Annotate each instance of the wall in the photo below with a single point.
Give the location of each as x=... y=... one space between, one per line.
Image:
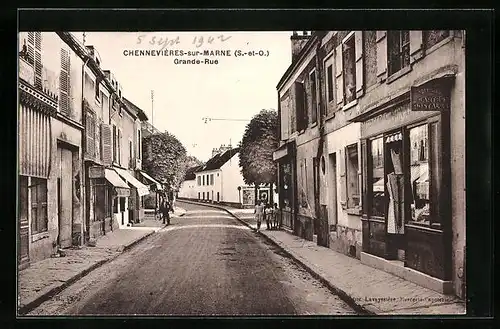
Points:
x=188 y=189
x=217 y=187
x=348 y=231
x=231 y=178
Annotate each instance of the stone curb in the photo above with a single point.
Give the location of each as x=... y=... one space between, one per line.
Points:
x=54 y=291
x=363 y=309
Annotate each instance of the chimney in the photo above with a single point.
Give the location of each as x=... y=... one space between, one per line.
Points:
x=215 y=151
x=298 y=42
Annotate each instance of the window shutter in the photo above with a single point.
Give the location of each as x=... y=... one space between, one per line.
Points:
x=381 y=54
x=64 y=83
x=360 y=174
x=90 y=134
x=107 y=152
x=342 y=179
x=38 y=59
x=299 y=105
x=416 y=45
x=364 y=176
x=119 y=146
x=31 y=47
x=359 y=63
x=339 y=81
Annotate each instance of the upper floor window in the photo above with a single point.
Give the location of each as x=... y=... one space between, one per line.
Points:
x=97 y=89
x=314 y=105
x=432 y=37
x=199 y=181
x=398 y=51
x=211 y=179
x=300 y=106
x=349 y=69
x=203 y=180
x=329 y=81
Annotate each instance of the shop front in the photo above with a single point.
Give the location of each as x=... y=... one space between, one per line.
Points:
x=152 y=200
x=108 y=191
x=134 y=207
x=406 y=221
x=287 y=183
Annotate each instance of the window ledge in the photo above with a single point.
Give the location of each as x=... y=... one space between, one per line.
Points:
x=439 y=44
x=39 y=236
x=398 y=74
x=312 y=125
x=330 y=116
x=354 y=211
x=350 y=105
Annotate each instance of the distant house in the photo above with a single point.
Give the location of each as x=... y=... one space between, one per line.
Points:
x=188 y=186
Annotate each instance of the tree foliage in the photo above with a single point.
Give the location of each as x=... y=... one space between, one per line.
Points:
x=164 y=158
x=256 y=148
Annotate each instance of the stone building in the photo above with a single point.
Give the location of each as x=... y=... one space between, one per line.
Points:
x=49 y=146
x=372 y=155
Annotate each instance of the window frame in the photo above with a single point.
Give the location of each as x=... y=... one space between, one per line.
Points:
x=329 y=61
x=351 y=37
x=313 y=88
x=393 y=75
x=349 y=206
x=34 y=224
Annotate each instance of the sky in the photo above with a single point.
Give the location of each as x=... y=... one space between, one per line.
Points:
x=236 y=88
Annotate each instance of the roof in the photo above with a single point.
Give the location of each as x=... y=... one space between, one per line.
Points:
x=219 y=160
x=135 y=109
x=191 y=172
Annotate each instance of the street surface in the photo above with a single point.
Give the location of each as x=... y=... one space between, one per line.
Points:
x=205 y=263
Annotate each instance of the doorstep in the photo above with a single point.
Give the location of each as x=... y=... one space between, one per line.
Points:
x=397 y=268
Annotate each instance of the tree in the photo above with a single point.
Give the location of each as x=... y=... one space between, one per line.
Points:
x=192 y=161
x=164 y=158
x=256 y=150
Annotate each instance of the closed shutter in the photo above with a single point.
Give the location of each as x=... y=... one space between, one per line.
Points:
x=381 y=54
x=106 y=140
x=38 y=59
x=119 y=146
x=90 y=135
x=64 y=83
x=360 y=175
x=416 y=45
x=339 y=79
x=359 y=63
x=31 y=47
x=342 y=178
x=364 y=176
x=299 y=106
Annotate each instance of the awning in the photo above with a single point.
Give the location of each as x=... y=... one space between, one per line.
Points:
x=151 y=180
x=141 y=188
x=120 y=186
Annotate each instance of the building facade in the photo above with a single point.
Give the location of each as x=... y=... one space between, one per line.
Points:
x=49 y=146
x=372 y=155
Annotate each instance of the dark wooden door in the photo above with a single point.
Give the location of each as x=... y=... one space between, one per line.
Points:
x=65 y=200
x=23 y=242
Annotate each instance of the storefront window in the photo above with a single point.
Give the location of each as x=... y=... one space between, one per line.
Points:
x=39 y=219
x=352 y=167
x=419 y=175
x=377 y=175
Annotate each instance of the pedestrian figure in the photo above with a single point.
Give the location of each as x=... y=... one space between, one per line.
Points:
x=268 y=212
x=166 y=212
x=275 y=217
x=259 y=213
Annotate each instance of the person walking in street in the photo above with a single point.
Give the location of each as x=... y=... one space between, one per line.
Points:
x=166 y=212
x=259 y=213
x=275 y=216
x=268 y=212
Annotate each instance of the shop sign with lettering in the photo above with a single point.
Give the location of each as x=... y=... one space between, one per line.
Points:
x=430 y=97
x=96 y=172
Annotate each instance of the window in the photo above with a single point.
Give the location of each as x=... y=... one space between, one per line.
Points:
x=39 y=219
x=433 y=37
x=119 y=149
x=329 y=82
x=203 y=180
x=203 y=195
x=35 y=55
x=352 y=169
x=115 y=143
x=398 y=54
x=64 y=82
x=115 y=205
x=122 y=204
x=419 y=175
x=131 y=154
x=314 y=105
x=377 y=183
x=198 y=194
x=139 y=144
x=349 y=69
x=98 y=90
x=89 y=85
x=211 y=179
x=199 y=181
x=300 y=106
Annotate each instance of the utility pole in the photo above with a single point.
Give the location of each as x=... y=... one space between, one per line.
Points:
x=152 y=108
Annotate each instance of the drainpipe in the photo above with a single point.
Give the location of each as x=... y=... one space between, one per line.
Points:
x=85 y=228
x=321 y=142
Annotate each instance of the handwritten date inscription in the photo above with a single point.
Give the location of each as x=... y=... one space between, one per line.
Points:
x=164 y=42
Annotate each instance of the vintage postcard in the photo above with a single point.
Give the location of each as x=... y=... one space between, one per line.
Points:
x=226 y=173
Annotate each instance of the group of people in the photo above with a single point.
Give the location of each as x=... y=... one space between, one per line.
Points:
x=264 y=211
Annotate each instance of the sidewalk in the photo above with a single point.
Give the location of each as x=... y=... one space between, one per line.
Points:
x=43 y=279
x=369 y=290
